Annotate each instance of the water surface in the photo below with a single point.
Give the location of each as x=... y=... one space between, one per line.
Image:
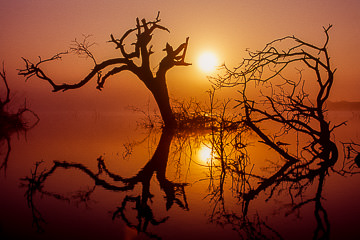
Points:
x=175 y=196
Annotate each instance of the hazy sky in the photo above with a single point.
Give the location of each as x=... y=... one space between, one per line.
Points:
x=32 y=28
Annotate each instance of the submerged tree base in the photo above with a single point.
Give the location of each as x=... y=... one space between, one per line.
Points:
x=12 y=122
x=15 y=122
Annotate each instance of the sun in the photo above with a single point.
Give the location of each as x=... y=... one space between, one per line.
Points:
x=207 y=62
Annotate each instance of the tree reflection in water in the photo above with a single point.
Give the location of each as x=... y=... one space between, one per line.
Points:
x=284 y=118
x=174 y=192
x=11 y=122
x=291 y=120
x=229 y=169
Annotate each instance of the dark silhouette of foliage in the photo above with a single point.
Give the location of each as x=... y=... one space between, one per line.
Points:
x=155 y=82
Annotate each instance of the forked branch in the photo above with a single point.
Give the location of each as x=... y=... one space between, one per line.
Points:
x=144 y=31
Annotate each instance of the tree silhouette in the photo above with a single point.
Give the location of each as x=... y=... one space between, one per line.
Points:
x=289 y=116
x=141 y=52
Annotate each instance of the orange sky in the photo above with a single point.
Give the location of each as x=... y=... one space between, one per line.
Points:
x=31 y=28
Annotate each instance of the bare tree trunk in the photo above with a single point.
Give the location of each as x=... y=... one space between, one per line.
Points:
x=160 y=92
x=141 y=52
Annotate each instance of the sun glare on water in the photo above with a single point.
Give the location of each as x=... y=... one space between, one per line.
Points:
x=207 y=62
x=205 y=154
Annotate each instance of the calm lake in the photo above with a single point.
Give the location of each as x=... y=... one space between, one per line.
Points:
x=153 y=185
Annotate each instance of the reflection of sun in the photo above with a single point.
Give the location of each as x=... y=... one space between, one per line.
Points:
x=207 y=62
x=205 y=154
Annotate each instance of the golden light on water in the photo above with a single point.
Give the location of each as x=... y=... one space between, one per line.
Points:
x=207 y=62
x=205 y=154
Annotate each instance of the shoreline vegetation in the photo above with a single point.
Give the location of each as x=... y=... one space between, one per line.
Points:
x=344 y=105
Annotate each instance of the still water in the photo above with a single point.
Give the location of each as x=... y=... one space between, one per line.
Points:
x=152 y=185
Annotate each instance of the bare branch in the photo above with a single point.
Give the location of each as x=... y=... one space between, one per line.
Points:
x=140 y=52
x=173 y=58
x=82 y=48
x=290 y=120
x=3 y=76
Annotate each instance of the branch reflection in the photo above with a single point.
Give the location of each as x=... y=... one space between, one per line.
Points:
x=174 y=192
x=301 y=182
x=234 y=176
x=11 y=122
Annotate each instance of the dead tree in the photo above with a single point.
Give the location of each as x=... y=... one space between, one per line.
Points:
x=141 y=53
x=287 y=113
